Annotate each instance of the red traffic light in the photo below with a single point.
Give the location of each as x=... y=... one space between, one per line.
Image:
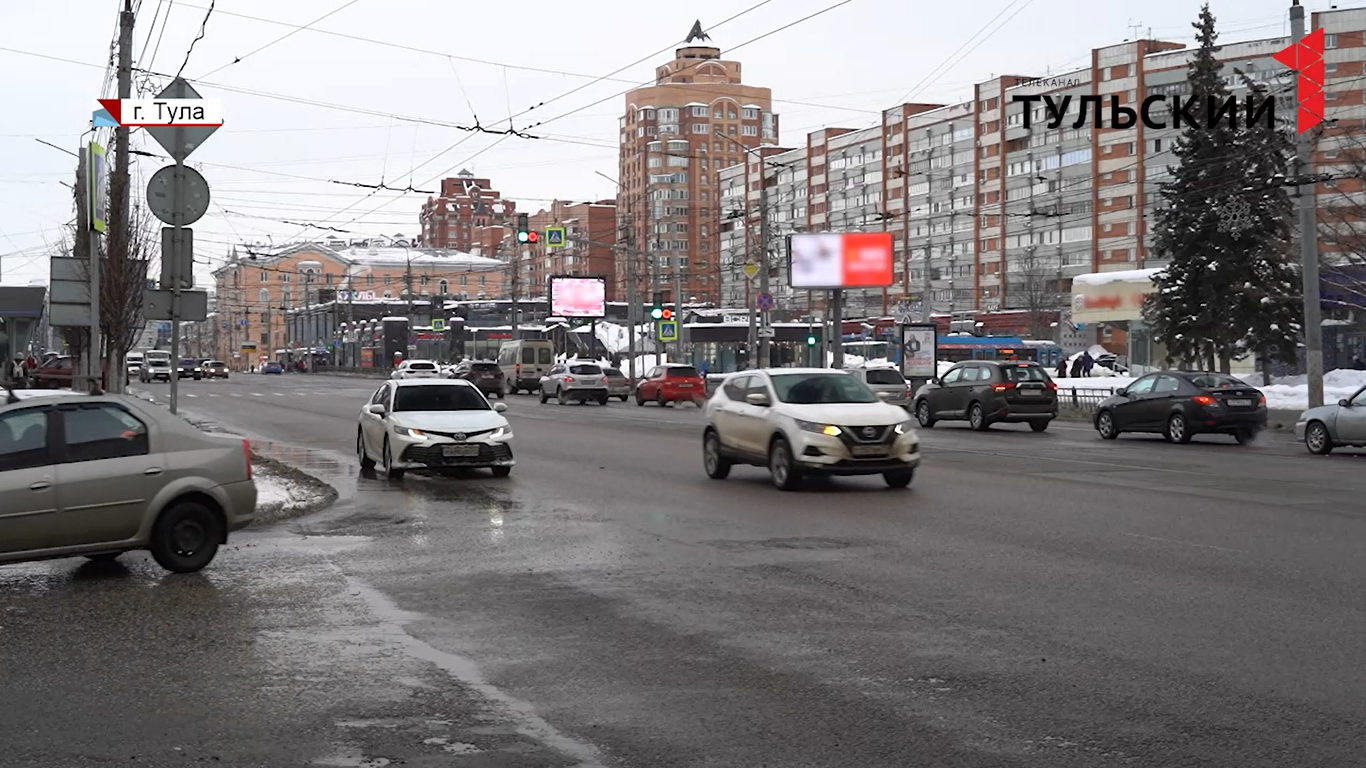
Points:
x=666 y=314
x=532 y=237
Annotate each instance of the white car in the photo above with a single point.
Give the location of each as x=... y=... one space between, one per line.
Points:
x=416 y=369
x=798 y=421
x=433 y=424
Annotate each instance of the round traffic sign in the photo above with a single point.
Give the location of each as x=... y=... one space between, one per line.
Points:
x=178 y=195
x=765 y=301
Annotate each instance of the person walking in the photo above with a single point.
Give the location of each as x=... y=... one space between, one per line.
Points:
x=1087 y=363
x=1062 y=367
x=1076 y=367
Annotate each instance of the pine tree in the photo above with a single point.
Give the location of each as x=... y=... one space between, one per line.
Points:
x=1187 y=312
x=1265 y=314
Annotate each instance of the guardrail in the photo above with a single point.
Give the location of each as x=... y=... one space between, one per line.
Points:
x=1083 y=402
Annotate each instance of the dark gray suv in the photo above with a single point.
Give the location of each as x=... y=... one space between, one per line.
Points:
x=985 y=392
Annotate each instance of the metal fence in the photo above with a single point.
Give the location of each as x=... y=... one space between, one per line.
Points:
x=1083 y=402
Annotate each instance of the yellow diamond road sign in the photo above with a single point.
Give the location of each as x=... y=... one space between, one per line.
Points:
x=751 y=270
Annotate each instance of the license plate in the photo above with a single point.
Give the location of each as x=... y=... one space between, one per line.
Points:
x=685 y=386
x=869 y=450
x=1240 y=403
x=453 y=451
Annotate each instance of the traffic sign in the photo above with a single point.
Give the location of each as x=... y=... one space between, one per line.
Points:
x=439 y=324
x=767 y=332
x=177 y=257
x=751 y=270
x=668 y=330
x=764 y=301
x=178 y=195
x=180 y=141
x=554 y=237
x=95 y=186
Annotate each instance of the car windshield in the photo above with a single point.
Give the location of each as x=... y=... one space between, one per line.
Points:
x=485 y=367
x=585 y=370
x=422 y=367
x=1217 y=381
x=613 y=372
x=683 y=372
x=1017 y=373
x=821 y=388
x=189 y=362
x=885 y=376
x=216 y=363
x=439 y=398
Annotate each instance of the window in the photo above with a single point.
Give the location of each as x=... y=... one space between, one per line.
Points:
x=953 y=376
x=1330 y=41
x=23 y=439
x=387 y=279
x=668 y=115
x=1143 y=386
x=1166 y=384
x=265 y=276
x=749 y=130
x=263 y=296
x=439 y=398
x=750 y=113
x=885 y=376
x=699 y=111
x=444 y=287
x=102 y=431
x=699 y=128
x=821 y=388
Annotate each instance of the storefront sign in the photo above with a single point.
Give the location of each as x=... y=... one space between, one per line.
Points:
x=1109 y=297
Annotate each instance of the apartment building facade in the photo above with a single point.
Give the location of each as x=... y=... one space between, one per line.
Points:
x=465 y=204
x=675 y=136
x=988 y=215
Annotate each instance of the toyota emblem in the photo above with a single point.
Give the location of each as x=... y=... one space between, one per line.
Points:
x=870 y=432
x=458 y=436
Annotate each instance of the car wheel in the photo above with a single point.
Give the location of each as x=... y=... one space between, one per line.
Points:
x=393 y=474
x=639 y=400
x=602 y=399
x=923 y=415
x=1105 y=425
x=659 y=399
x=717 y=466
x=782 y=468
x=1316 y=439
x=1177 y=431
x=1245 y=436
x=185 y=537
x=1038 y=426
x=561 y=397
x=544 y=397
x=899 y=478
x=365 y=461
x=502 y=471
x=624 y=398
x=977 y=417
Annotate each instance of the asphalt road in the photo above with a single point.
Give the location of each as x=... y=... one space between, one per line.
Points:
x=1033 y=600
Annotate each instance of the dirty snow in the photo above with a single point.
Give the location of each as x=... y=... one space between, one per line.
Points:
x=278 y=494
x=1290 y=393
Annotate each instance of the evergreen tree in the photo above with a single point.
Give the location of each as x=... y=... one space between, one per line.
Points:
x=1265 y=311
x=1187 y=312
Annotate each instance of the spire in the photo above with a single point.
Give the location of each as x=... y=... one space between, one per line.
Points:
x=697 y=34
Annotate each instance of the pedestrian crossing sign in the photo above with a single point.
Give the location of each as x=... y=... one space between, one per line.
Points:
x=554 y=237
x=668 y=330
x=438 y=324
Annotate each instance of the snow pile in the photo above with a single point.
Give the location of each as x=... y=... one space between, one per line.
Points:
x=1292 y=392
x=282 y=491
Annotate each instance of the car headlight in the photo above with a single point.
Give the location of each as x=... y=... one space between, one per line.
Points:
x=407 y=432
x=500 y=433
x=905 y=427
x=829 y=430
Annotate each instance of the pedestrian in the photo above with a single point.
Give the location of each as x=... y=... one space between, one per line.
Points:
x=703 y=369
x=1087 y=363
x=1062 y=367
x=1076 y=367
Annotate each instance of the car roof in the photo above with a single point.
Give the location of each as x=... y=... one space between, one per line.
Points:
x=430 y=383
x=60 y=396
x=777 y=371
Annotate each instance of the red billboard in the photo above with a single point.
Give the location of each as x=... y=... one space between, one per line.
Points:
x=827 y=260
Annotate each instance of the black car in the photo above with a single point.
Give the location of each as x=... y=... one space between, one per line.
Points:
x=485 y=375
x=1181 y=404
x=986 y=392
x=190 y=368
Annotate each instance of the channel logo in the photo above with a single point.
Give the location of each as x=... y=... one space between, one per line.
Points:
x=1306 y=58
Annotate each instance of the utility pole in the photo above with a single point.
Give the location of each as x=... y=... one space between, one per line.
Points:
x=119 y=196
x=310 y=337
x=1309 y=243
x=632 y=297
x=927 y=307
x=765 y=319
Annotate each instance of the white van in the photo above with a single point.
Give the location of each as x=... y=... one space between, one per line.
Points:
x=523 y=363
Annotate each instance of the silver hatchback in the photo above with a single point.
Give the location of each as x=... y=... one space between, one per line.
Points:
x=575 y=380
x=101 y=475
x=887 y=383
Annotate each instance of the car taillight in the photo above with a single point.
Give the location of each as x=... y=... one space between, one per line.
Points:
x=1002 y=387
x=1053 y=386
x=1261 y=399
x=517 y=369
x=246 y=454
x=568 y=379
x=605 y=380
x=1203 y=400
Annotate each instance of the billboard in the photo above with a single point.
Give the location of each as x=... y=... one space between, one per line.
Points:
x=919 y=350
x=826 y=260
x=578 y=296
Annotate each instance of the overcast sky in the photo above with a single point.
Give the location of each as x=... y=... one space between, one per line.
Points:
x=366 y=93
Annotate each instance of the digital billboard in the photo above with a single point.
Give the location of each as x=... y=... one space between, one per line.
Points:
x=578 y=296
x=827 y=260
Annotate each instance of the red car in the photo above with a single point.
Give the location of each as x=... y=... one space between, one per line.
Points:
x=672 y=383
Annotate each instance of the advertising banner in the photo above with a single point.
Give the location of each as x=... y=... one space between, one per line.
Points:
x=828 y=260
x=919 y=351
x=578 y=296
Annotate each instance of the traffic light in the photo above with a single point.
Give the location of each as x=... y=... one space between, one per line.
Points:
x=656 y=308
x=810 y=339
x=524 y=235
x=666 y=314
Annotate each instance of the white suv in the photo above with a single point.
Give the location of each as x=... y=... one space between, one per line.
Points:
x=798 y=421
x=416 y=369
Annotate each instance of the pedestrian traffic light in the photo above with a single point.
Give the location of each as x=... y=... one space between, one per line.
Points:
x=524 y=234
x=666 y=314
x=810 y=339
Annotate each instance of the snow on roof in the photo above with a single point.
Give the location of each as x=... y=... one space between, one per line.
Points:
x=1124 y=276
x=424 y=256
x=394 y=318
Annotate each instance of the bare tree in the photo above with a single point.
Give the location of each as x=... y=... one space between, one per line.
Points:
x=122 y=283
x=1035 y=285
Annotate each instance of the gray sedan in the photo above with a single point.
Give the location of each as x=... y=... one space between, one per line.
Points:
x=99 y=475
x=1334 y=426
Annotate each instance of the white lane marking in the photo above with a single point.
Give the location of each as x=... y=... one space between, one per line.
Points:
x=187 y=394
x=257 y=394
x=235 y=394
x=392 y=621
x=215 y=395
x=278 y=394
x=1185 y=543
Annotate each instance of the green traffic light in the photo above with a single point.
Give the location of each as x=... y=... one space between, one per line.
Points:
x=810 y=341
x=522 y=236
x=657 y=313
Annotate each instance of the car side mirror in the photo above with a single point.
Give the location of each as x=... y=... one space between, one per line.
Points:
x=500 y=407
x=757 y=398
x=1122 y=392
x=935 y=380
x=375 y=408
x=1345 y=403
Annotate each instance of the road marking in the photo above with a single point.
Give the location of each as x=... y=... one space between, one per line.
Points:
x=215 y=395
x=1185 y=543
x=278 y=394
x=257 y=394
x=187 y=394
x=235 y=394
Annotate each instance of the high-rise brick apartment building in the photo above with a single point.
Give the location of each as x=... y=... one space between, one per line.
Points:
x=670 y=156
x=464 y=205
x=1002 y=216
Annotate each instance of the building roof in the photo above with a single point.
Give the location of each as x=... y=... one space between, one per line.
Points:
x=1122 y=276
x=379 y=255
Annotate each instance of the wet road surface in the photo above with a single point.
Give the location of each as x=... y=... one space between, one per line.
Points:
x=1033 y=600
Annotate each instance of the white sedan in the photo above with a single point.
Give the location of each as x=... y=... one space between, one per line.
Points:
x=416 y=369
x=807 y=421
x=433 y=424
